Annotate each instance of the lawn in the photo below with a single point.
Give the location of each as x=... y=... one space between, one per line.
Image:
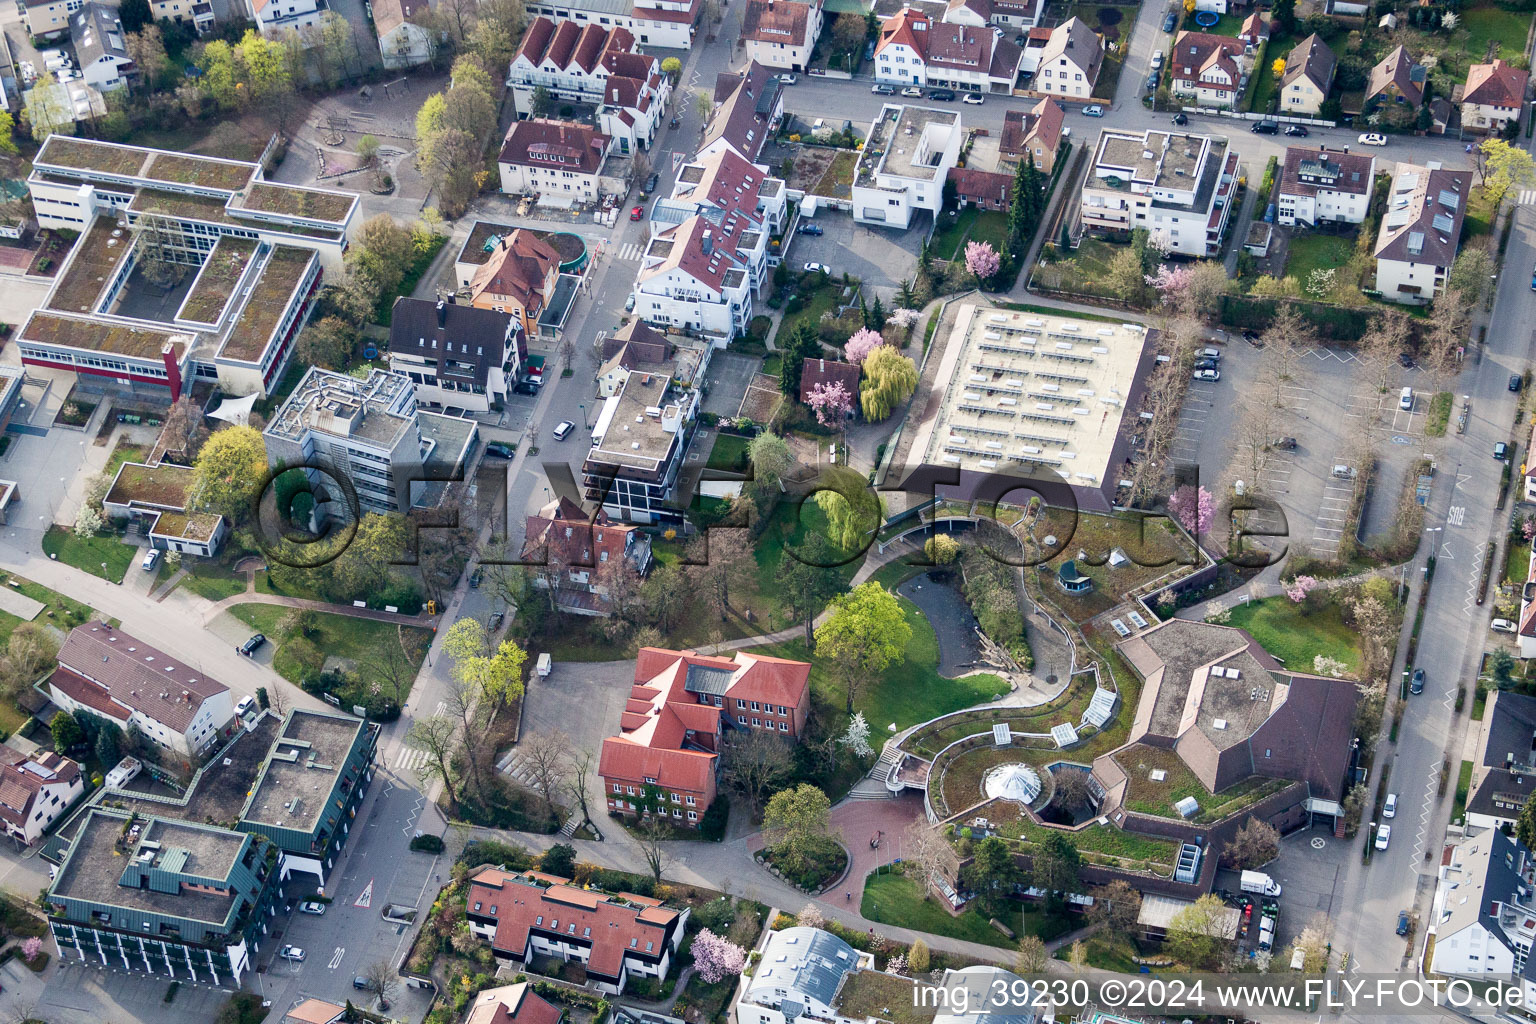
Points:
x=1229 y=25
x=90 y=554
x=1479 y=218
x=1439 y=414
x=729 y=453
x=1517 y=561
x=823 y=300
x=213 y=580
x=892 y=898
x=1463 y=790
x=339 y=636
x=1486 y=24
x=1081 y=270
x=1310 y=252
x=837 y=181
x=969 y=225
x=124 y=452
x=1295 y=637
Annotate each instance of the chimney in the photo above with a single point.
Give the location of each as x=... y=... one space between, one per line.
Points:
x=823 y=366
x=708 y=245
x=442 y=313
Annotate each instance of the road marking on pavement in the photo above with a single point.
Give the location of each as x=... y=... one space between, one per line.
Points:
x=1445 y=551
x=341 y=951
x=1455 y=516
x=365 y=898
x=410 y=759
x=442 y=709
x=630 y=251
x=1431 y=788
x=1474 y=580
x=1527 y=196
x=1461 y=478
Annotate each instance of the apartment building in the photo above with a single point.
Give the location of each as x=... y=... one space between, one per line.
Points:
x=1483 y=917
x=1033 y=134
x=459 y=357
x=49 y=17
x=109 y=673
x=100 y=47
x=904 y=164
x=1420 y=232
x=665 y=23
x=1318 y=185
x=1504 y=764
x=35 y=789
x=518 y=278
x=587 y=551
x=914 y=49
x=748 y=107
x=559 y=161
x=403 y=41
x=1308 y=76
x=198 y=14
x=273 y=18
x=1070 y=62
x=1210 y=69
x=781 y=33
x=1174 y=184
x=638 y=446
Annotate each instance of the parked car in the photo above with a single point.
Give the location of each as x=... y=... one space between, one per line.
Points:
x=251 y=646
x=362 y=984
x=528 y=387
x=942 y=95
x=975 y=99
x=1210 y=376
x=1266 y=128
x=500 y=449
x=1373 y=139
x=1181 y=119
x=1502 y=626
x=1093 y=111
x=912 y=91
x=817 y=268
x=1500 y=450
x=1157 y=60
x=293 y=953
x=1207 y=364
x=637 y=213
x=1389 y=809
x=1297 y=131
x=1152 y=82
x=1383 y=836
x=1405 y=360
x=789 y=79
x=1516 y=382
x=1402 y=922
x=246 y=706
x=1416 y=681
x=1170 y=21
x=629 y=303
x=151 y=559
x=475 y=578
x=653 y=181
x=1252 y=338
x=496 y=621
x=311 y=907
x=563 y=430
x=1405 y=400
x=811 y=229
x=1284 y=444
x=882 y=90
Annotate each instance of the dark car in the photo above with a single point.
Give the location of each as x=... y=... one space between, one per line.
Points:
x=1298 y=131
x=527 y=386
x=1170 y=21
x=500 y=449
x=1405 y=360
x=1152 y=82
x=1516 y=382
x=1284 y=444
x=1252 y=338
x=363 y=984
x=811 y=229
x=1500 y=450
x=1181 y=119
x=1416 y=684
x=1402 y=922
x=1207 y=364
x=475 y=578
x=251 y=646
x=1266 y=128
x=652 y=182
x=942 y=95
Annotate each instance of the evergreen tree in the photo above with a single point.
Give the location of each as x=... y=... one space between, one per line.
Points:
x=1035 y=190
x=1064 y=243
x=803 y=344
x=876 y=319
x=906 y=298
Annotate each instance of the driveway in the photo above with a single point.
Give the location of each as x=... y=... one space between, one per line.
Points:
x=583 y=700
x=882 y=258
x=729 y=375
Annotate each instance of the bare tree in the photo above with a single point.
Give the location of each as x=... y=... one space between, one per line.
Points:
x=460 y=703
x=547 y=757
x=923 y=846
x=1254 y=844
x=387 y=664
x=1255 y=433
x=1117 y=905
x=1284 y=340
x=382 y=979
x=580 y=765
x=436 y=736
x=184 y=431
x=1445 y=339
x=721 y=561
x=653 y=830
x=1381 y=345
x=756 y=765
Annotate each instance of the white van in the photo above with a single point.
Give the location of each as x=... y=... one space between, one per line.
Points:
x=1389 y=809
x=1405 y=400
x=57 y=64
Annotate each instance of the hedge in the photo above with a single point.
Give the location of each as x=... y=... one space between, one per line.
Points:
x=1336 y=323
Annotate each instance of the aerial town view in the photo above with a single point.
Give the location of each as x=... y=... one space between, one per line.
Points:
x=767 y=511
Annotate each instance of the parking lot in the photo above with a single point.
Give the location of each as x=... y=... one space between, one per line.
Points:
x=1328 y=406
x=882 y=258
x=1310 y=870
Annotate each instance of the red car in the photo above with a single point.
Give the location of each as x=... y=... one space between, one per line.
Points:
x=637 y=213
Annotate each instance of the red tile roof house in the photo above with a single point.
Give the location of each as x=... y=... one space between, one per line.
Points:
x=35 y=790
x=1035 y=133
x=828 y=371
x=564 y=539
x=1207 y=67
x=513 y=1004
x=613 y=935
x=109 y=673
x=1493 y=96
x=559 y=160
x=680 y=706
x=990 y=190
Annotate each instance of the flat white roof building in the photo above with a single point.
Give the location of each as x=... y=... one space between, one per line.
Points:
x=906 y=160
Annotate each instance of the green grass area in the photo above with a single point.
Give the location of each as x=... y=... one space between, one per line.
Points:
x=969 y=225
x=823 y=300
x=1266 y=85
x=1483 y=25
x=1517 y=559
x=1154 y=545
x=340 y=636
x=892 y=898
x=1108 y=951
x=1307 y=253
x=213 y=580
x=1439 y=414
x=1289 y=633
x=1082 y=270
x=104 y=555
x=1227 y=25
x=1103 y=839
x=1479 y=218
x=124 y=452
x=729 y=452
x=60 y=612
x=773 y=364
x=1463 y=790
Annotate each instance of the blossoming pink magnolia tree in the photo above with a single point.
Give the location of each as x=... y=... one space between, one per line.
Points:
x=1298 y=589
x=831 y=402
x=716 y=957
x=982 y=260
x=861 y=343
x=1193 y=507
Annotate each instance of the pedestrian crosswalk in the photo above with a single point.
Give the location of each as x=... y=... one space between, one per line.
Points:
x=630 y=251
x=410 y=759
x=1527 y=196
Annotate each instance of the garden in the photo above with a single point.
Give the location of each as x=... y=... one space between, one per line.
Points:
x=104 y=555
x=890 y=897
x=1296 y=634
x=971 y=224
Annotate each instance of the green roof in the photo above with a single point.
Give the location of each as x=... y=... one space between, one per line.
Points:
x=85 y=155
x=268 y=302
x=164 y=486
x=217 y=280
x=290 y=201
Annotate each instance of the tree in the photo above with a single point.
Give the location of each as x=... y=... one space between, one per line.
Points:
x=107 y=745
x=861 y=343
x=436 y=736
x=560 y=860
x=1472 y=274
x=545 y=755
x=1253 y=845
x=982 y=261
x=30 y=653
x=703 y=105
x=134 y=14
x=810 y=916
x=831 y=403
x=941 y=549
x=865 y=632
x=1057 y=868
x=1277 y=67
x=770 y=458
x=1116 y=906
x=580 y=765
x=927 y=851
x=1078 y=957
x=1198 y=933
x=795 y=824
x=848 y=32
x=808 y=582
x=851 y=510
x=542 y=103
x=722 y=560
x=802 y=344
x=918 y=958
x=755 y=765
x=88 y=522
x=382 y=979
x=1194 y=508
x=1525 y=825
x=889 y=379
x=66 y=732
x=48 y=109
x=382 y=252
x=1313 y=943
x=1385 y=340
x=856 y=738
x=992 y=875
x=1032 y=957
x=1504 y=167
x=653 y=830
x=664 y=595
x=1125 y=278
x=498 y=29
x=716 y=958
x=672 y=68
x=146 y=48
x=328 y=342
x=184 y=430
x=493 y=673
x=229 y=472
x=1501 y=667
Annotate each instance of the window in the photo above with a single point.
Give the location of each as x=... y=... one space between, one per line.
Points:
x=741 y=704
x=754 y=705
x=693 y=815
x=1267 y=751
x=477 y=904
x=493 y=910
x=755 y=723
x=783 y=727
x=741 y=719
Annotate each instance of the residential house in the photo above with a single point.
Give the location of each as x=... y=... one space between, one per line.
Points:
x=988 y=190
x=1309 y=69
x=894 y=183
x=1420 y=231
x=1483 y=918
x=181 y=900
x=614 y=936
x=1525 y=626
x=1493 y=96
x=914 y=49
x=1036 y=132
x=45 y=18
x=156 y=498
x=559 y=161
x=1504 y=765
x=1254 y=30
x=637 y=347
x=197 y=13
x=663 y=23
x=513 y=1004
x=680 y=708
x=101 y=47
x=35 y=789
x=748 y=107
x=315 y=1011
x=638 y=446
x=1395 y=81
x=1070 y=62
x=592 y=65
x=274 y=18
x=1211 y=69
x=1176 y=185
x=817 y=370
x=109 y=673
x=1011 y=15
x=1318 y=185
x=688 y=279
x=1530 y=478
x=580 y=552
x=459 y=357
x=518 y=278
x=799 y=974
x=781 y=33
x=403 y=41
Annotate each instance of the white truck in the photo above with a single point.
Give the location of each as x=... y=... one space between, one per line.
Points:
x=1259 y=882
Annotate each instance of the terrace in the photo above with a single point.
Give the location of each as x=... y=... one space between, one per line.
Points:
x=101 y=336
x=84 y=155
x=163 y=486
x=263 y=311
x=92 y=263
x=220 y=789
x=216 y=282
x=474 y=251
x=290 y=201
x=182 y=169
